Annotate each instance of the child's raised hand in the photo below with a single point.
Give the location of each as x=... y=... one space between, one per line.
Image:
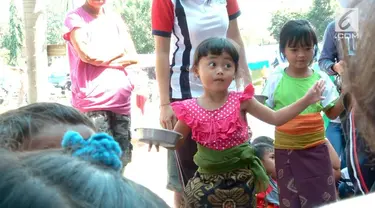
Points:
x=315 y=92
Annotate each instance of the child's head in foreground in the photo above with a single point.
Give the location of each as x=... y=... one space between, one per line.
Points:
x=265 y=152
x=41 y=126
x=216 y=63
x=87 y=173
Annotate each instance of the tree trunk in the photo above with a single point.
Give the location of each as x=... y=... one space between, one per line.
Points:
x=36 y=49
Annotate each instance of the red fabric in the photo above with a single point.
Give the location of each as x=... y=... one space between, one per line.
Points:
x=261 y=202
x=356 y=161
x=141 y=101
x=232 y=7
x=248 y=93
x=162 y=13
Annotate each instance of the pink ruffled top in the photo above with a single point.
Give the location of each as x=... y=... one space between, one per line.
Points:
x=218 y=129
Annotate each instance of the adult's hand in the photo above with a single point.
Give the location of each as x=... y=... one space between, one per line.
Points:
x=128 y=60
x=339 y=67
x=122 y=62
x=167 y=120
x=167 y=117
x=125 y=63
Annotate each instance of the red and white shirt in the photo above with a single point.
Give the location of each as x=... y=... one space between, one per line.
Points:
x=190 y=22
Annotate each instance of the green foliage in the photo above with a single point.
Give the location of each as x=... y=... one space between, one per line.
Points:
x=279 y=18
x=4 y=56
x=319 y=14
x=55 y=27
x=137 y=15
x=13 y=39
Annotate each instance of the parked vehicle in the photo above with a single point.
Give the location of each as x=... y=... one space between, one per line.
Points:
x=60 y=80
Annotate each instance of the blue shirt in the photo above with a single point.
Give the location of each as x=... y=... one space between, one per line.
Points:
x=332 y=48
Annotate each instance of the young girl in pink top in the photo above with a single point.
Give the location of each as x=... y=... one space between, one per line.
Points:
x=229 y=174
x=99 y=48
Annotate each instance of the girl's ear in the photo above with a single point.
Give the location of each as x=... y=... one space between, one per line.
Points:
x=195 y=71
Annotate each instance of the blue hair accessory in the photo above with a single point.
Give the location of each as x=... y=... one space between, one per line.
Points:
x=99 y=148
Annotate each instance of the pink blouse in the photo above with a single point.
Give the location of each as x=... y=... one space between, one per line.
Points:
x=218 y=129
x=98 y=87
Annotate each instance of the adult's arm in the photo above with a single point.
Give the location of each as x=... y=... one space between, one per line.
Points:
x=162 y=48
x=126 y=37
x=329 y=54
x=234 y=34
x=162 y=16
x=81 y=46
x=77 y=36
x=130 y=53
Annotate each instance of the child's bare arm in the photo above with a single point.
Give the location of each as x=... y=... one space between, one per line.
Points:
x=335 y=160
x=336 y=174
x=336 y=110
x=285 y=114
x=272 y=117
x=182 y=128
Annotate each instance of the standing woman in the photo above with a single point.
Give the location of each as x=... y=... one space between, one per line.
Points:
x=178 y=27
x=99 y=49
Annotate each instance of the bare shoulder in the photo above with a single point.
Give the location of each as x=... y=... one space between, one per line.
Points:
x=246 y=104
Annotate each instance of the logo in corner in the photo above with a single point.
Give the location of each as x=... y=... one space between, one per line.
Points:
x=347 y=21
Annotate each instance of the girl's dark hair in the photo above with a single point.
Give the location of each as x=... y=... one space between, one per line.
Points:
x=263 y=139
x=261 y=149
x=217 y=46
x=25 y=187
x=23 y=123
x=49 y=177
x=297 y=33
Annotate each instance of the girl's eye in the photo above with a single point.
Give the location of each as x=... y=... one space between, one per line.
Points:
x=308 y=49
x=212 y=64
x=228 y=66
x=293 y=49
